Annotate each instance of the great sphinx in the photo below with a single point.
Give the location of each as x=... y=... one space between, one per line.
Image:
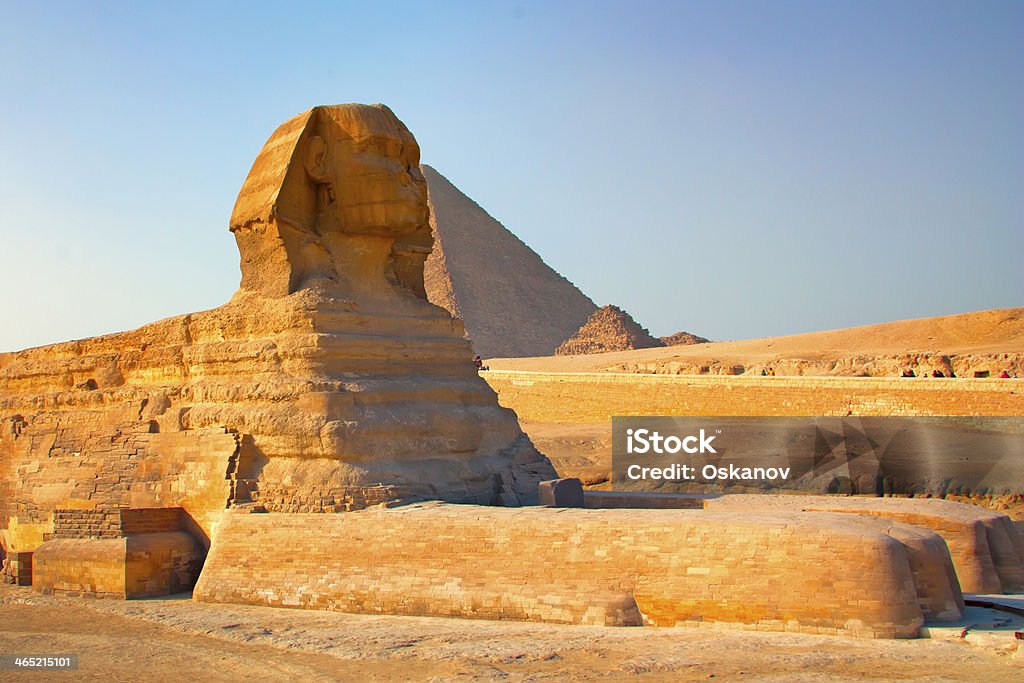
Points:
x=328 y=383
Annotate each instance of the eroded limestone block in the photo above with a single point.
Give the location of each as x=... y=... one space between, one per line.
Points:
x=822 y=573
x=562 y=493
x=132 y=566
x=118 y=552
x=16 y=568
x=985 y=546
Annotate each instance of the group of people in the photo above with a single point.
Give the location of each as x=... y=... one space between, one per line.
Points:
x=939 y=373
x=770 y=372
x=935 y=373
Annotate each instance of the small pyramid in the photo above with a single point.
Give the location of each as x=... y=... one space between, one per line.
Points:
x=608 y=329
x=511 y=302
x=683 y=339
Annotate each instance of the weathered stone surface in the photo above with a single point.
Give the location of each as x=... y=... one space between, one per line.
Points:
x=608 y=329
x=119 y=553
x=327 y=383
x=16 y=568
x=562 y=493
x=512 y=303
x=821 y=573
x=923 y=365
x=135 y=566
x=986 y=549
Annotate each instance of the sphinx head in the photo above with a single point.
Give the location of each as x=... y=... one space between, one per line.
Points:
x=334 y=198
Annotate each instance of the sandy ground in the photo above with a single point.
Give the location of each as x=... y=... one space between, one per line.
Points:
x=177 y=639
x=582 y=450
x=984 y=332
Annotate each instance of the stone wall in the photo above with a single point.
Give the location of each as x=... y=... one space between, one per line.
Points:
x=119 y=553
x=82 y=459
x=596 y=397
x=114 y=522
x=985 y=547
x=133 y=566
x=823 y=573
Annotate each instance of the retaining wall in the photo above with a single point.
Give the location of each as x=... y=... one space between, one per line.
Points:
x=596 y=397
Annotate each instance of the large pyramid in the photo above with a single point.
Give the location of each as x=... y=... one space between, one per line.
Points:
x=512 y=303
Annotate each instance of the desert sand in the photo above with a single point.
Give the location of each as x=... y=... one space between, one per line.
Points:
x=980 y=334
x=177 y=639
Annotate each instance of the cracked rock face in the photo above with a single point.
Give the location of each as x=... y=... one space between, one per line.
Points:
x=327 y=383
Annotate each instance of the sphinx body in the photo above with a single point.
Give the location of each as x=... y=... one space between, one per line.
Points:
x=328 y=383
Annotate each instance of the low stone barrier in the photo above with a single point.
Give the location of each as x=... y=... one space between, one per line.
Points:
x=823 y=573
x=566 y=397
x=118 y=553
x=986 y=548
x=603 y=500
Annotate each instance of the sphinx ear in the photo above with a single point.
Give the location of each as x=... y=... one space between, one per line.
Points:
x=315 y=159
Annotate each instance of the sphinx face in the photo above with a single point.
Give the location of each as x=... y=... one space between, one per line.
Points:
x=374 y=164
x=334 y=199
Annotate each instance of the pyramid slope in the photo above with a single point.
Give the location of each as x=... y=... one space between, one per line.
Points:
x=512 y=303
x=608 y=329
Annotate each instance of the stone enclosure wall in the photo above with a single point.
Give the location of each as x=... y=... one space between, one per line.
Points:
x=596 y=397
x=986 y=548
x=568 y=415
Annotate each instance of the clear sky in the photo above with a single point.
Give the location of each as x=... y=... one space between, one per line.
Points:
x=734 y=169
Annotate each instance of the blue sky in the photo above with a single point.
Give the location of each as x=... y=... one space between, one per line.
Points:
x=735 y=169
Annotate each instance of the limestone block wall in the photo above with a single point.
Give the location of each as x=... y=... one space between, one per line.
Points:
x=114 y=522
x=91 y=567
x=160 y=563
x=120 y=553
x=599 y=500
x=822 y=573
x=134 y=566
x=84 y=460
x=596 y=397
x=986 y=548
x=103 y=523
